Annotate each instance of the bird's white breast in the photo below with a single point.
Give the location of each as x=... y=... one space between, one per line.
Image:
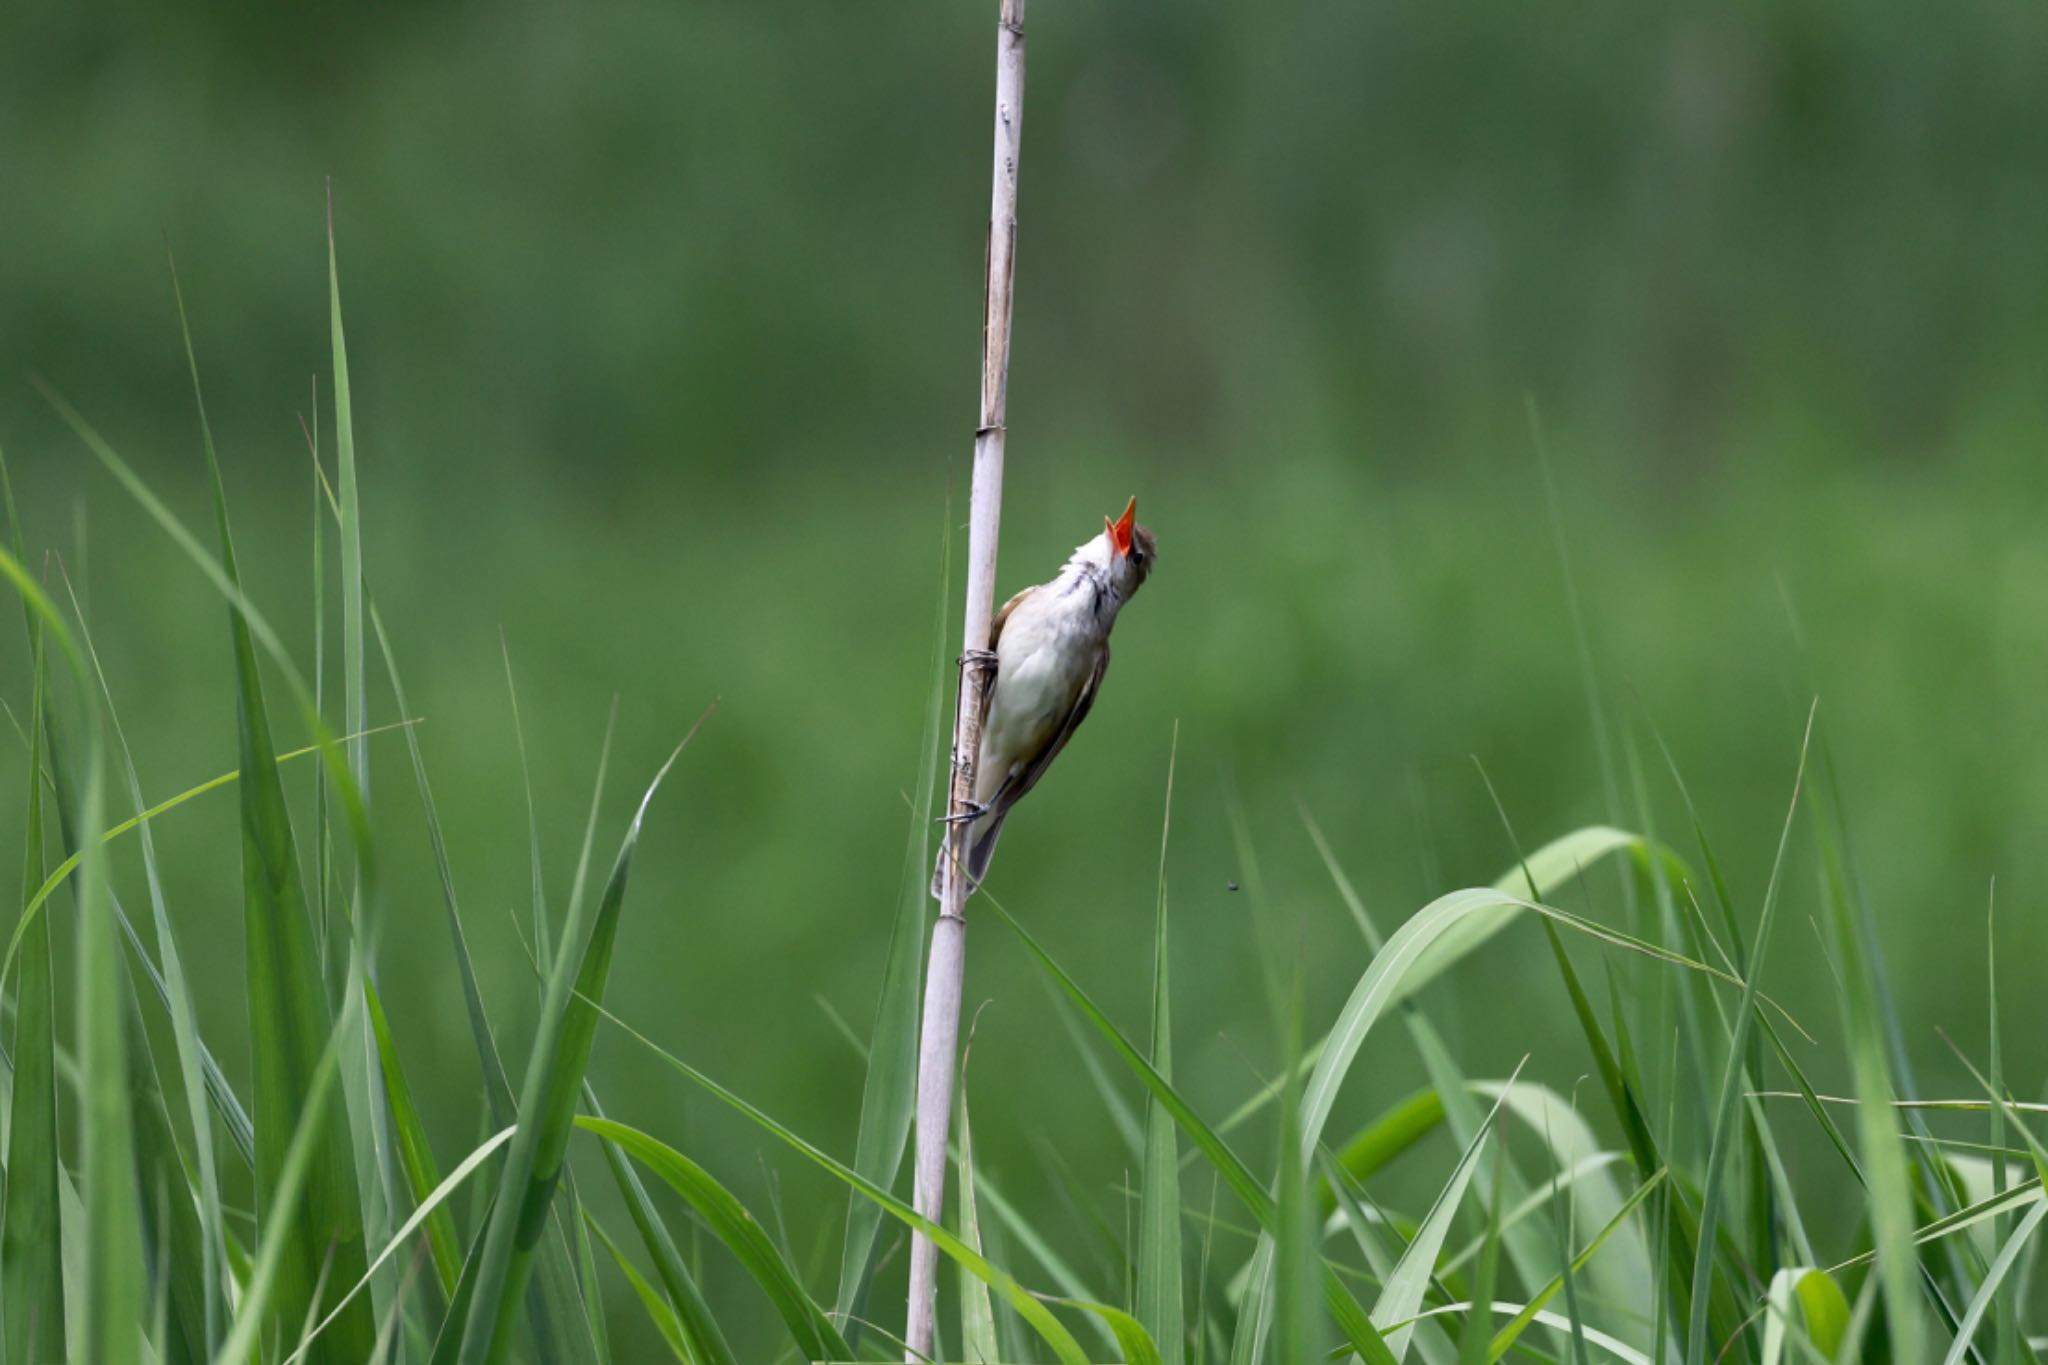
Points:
x=1045 y=656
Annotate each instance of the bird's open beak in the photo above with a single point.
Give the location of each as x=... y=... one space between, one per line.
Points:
x=1119 y=531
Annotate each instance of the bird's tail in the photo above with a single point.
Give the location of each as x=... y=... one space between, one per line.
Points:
x=981 y=847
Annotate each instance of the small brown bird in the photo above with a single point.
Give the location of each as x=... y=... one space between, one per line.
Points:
x=1051 y=645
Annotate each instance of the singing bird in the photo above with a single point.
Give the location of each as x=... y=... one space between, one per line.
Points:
x=1051 y=646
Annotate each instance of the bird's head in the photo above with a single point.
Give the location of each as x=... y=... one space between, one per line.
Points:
x=1128 y=551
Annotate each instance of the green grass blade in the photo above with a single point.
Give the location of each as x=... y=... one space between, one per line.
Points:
x=1133 y=1342
x=1401 y=1296
x=889 y=1092
x=1160 y=1304
x=289 y=1020
x=362 y=1079
x=547 y=1106
x=111 y=1296
x=497 y=1089
x=543 y=944
x=182 y=1262
x=1884 y=1156
x=1473 y=1339
x=31 y=1282
x=279 y=1242
x=977 y=1310
x=175 y=991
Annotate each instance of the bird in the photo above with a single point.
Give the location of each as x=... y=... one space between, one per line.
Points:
x=1050 y=648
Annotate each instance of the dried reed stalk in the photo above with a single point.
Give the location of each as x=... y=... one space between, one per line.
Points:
x=938 y=1045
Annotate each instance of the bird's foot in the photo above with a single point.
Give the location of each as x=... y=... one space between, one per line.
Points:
x=977 y=658
x=974 y=811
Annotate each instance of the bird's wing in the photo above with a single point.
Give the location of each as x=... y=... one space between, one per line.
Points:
x=995 y=633
x=1028 y=778
x=995 y=627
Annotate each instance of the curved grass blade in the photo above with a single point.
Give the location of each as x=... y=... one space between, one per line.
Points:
x=1401 y=1296
x=69 y=866
x=742 y=1234
x=1557 y=1322
x=700 y=1332
x=547 y=1104
x=1027 y=1305
x=1132 y=1340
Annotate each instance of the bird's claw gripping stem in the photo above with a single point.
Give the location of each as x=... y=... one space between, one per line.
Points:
x=977 y=658
x=973 y=811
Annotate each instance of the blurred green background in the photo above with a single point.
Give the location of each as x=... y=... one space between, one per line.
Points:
x=664 y=321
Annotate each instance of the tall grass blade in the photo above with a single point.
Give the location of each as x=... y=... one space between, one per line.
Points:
x=176 y=993
x=977 y=1309
x=547 y=1105
x=1884 y=1158
x=1401 y=1296
x=182 y=1262
x=742 y=1234
x=1159 y=1299
x=1728 y=1113
x=497 y=1089
x=277 y=1242
x=109 y=1330
x=289 y=1020
x=31 y=1280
